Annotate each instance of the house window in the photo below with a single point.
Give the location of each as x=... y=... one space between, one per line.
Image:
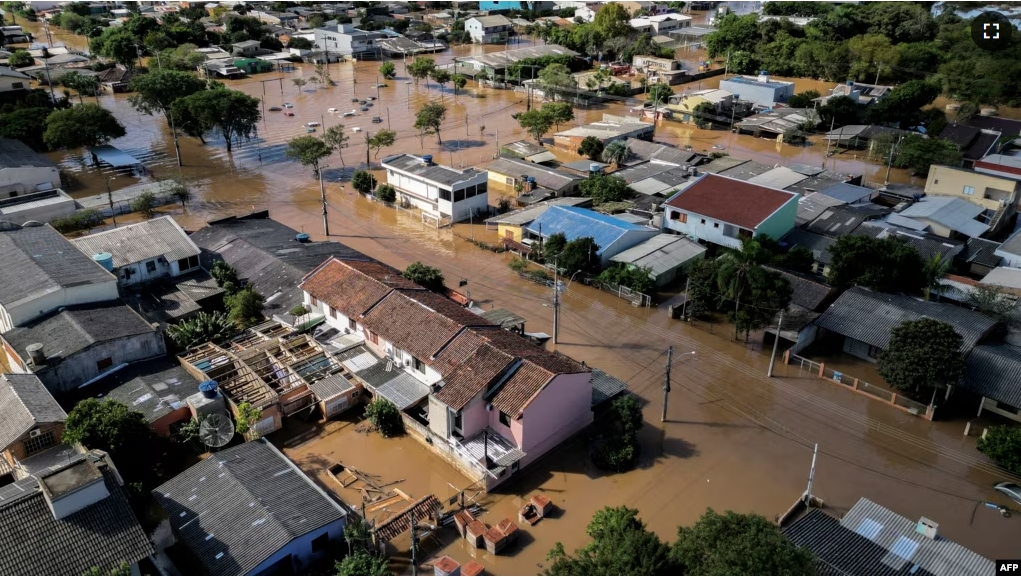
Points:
x=509 y=180
x=150 y=266
x=444 y=194
x=104 y=363
x=351 y=324
x=969 y=190
x=681 y=217
x=373 y=338
x=716 y=225
x=703 y=221
x=39 y=442
x=504 y=419
x=314 y=300
x=332 y=311
x=321 y=543
x=419 y=365
x=1006 y=408
x=16 y=85
x=188 y=263
x=458 y=421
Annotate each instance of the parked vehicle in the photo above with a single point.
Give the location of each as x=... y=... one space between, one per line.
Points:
x=364 y=109
x=356 y=129
x=274 y=109
x=355 y=99
x=288 y=113
x=362 y=102
x=332 y=110
x=288 y=105
x=371 y=98
x=368 y=104
x=376 y=119
x=310 y=129
x=1011 y=490
x=351 y=113
x=381 y=86
x=312 y=124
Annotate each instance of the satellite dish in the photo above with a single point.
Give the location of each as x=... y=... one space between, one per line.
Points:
x=216 y=430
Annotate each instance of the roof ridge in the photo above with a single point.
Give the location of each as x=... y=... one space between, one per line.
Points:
x=20 y=402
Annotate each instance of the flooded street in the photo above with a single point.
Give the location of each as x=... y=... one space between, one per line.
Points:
x=734 y=438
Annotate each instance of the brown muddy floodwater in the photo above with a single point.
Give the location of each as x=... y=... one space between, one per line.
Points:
x=734 y=439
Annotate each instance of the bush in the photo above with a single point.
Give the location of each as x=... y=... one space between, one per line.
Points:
x=617 y=448
x=425 y=275
x=82 y=220
x=363 y=181
x=591 y=147
x=386 y=193
x=298 y=310
x=385 y=416
x=1003 y=444
x=145 y=203
x=539 y=275
x=637 y=279
x=245 y=306
x=204 y=327
x=518 y=265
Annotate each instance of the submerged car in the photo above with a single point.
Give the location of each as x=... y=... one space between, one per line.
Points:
x=288 y=105
x=377 y=119
x=351 y=113
x=332 y=110
x=1011 y=490
x=288 y=113
x=274 y=109
x=364 y=109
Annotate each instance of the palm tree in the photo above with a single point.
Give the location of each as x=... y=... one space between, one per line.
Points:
x=936 y=269
x=737 y=272
x=616 y=152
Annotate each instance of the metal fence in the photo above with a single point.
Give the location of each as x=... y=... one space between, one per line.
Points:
x=805 y=364
x=912 y=406
x=634 y=297
x=859 y=386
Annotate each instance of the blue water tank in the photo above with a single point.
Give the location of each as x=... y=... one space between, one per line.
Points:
x=208 y=389
x=105 y=260
x=531 y=180
x=850 y=82
x=595 y=167
x=302 y=237
x=427 y=158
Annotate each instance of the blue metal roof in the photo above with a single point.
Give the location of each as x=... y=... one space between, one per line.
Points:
x=114 y=157
x=577 y=222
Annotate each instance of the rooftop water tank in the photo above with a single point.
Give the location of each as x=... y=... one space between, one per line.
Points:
x=302 y=237
x=595 y=167
x=530 y=179
x=427 y=158
x=104 y=259
x=208 y=389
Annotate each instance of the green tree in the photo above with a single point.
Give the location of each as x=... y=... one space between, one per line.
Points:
x=556 y=80
x=336 y=139
x=613 y=20
x=184 y=57
x=145 y=203
x=27 y=125
x=803 y=99
x=881 y=264
x=386 y=417
x=299 y=82
x=839 y=111
x=363 y=181
x=118 y=44
x=616 y=448
x=922 y=355
x=107 y=425
x=635 y=278
x=738 y=544
x=620 y=545
x=82 y=84
x=246 y=418
x=429 y=119
x=616 y=152
x=441 y=76
x=86 y=220
x=83 y=125
x=225 y=276
x=701 y=288
x=903 y=105
x=936 y=268
x=703 y=113
x=535 y=122
x=361 y=562
x=388 y=70
x=918 y=153
x=308 y=150
x=591 y=147
x=420 y=68
x=559 y=113
x=381 y=140
x=204 y=327
x=660 y=93
x=580 y=254
x=424 y=275
x=604 y=188
x=871 y=54
x=245 y=306
x=20 y=59
x=299 y=43
x=386 y=193
x=156 y=91
x=459 y=82
x=553 y=246
x=992 y=301
x=1002 y=444
x=122 y=569
x=232 y=113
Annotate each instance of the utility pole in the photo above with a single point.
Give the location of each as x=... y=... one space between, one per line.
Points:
x=109 y=196
x=414 y=545
x=322 y=193
x=684 y=305
x=367 y=163
x=828 y=140
x=811 y=475
x=726 y=68
x=666 y=382
x=776 y=341
x=879 y=66
x=889 y=161
x=556 y=301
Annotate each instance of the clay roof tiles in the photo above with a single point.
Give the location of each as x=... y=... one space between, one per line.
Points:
x=353 y=287
x=730 y=200
x=514 y=395
x=472 y=376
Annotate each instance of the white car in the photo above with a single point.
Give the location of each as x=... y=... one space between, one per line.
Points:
x=356 y=129
x=311 y=124
x=332 y=110
x=287 y=105
x=352 y=113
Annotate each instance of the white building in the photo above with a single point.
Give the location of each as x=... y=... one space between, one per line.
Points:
x=41 y=271
x=11 y=80
x=440 y=191
x=586 y=13
x=23 y=170
x=346 y=40
x=661 y=24
x=488 y=29
x=143 y=252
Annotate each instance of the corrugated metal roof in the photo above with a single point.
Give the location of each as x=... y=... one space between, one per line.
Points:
x=662 y=253
x=1004 y=276
x=605 y=387
x=848 y=193
x=509 y=57
x=992 y=371
x=433 y=172
x=870 y=317
x=907 y=547
x=114 y=156
x=779 y=177
x=544 y=176
x=953 y=213
x=1012 y=245
x=579 y=222
x=140 y=242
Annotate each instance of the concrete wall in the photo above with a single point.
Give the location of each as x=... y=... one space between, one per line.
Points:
x=781 y=221
x=509 y=231
x=28 y=179
x=709 y=231
x=474 y=417
x=806 y=336
x=21 y=312
x=562 y=408
x=300 y=548
x=950 y=181
x=61 y=206
x=66 y=375
x=139 y=273
x=760 y=94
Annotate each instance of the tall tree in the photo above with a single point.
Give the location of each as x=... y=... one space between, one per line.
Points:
x=156 y=91
x=737 y=272
x=616 y=152
x=420 y=68
x=429 y=119
x=556 y=80
x=936 y=269
x=381 y=140
x=107 y=425
x=232 y=113
x=881 y=264
x=387 y=70
x=620 y=545
x=535 y=122
x=336 y=139
x=361 y=562
x=559 y=113
x=308 y=150
x=580 y=254
x=922 y=355
x=459 y=82
x=660 y=93
x=118 y=44
x=428 y=276
x=83 y=125
x=441 y=76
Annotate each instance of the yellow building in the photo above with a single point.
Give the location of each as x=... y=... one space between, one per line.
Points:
x=984 y=190
x=683 y=105
x=511 y=225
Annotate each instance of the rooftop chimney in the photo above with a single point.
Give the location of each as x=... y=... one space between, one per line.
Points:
x=427 y=159
x=72 y=488
x=927 y=527
x=37 y=354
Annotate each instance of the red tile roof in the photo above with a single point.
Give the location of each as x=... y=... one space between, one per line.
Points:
x=411 y=326
x=513 y=396
x=352 y=287
x=472 y=376
x=462 y=347
x=730 y=200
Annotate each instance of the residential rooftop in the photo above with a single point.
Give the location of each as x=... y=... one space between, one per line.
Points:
x=730 y=200
x=16 y=154
x=544 y=176
x=754 y=81
x=503 y=59
x=141 y=242
x=25 y=403
x=576 y=222
x=438 y=173
x=660 y=253
x=154 y=388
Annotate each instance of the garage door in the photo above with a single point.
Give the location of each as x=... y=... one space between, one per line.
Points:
x=336 y=406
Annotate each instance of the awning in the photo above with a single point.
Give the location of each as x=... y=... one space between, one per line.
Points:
x=114 y=157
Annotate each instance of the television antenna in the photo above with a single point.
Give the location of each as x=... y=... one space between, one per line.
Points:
x=216 y=430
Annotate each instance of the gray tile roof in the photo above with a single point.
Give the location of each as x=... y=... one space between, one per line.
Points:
x=841 y=220
x=954 y=213
x=25 y=403
x=67 y=332
x=102 y=535
x=1012 y=245
x=16 y=154
x=818 y=244
x=605 y=387
x=241 y=505
x=994 y=371
x=847 y=193
x=433 y=172
x=506 y=58
x=661 y=253
x=37 y=259
x=870 y=317
x=664 y=153
x=927 y=245
x=840 y=551
x=808 y=291
x=140 y=242
x=544 y=176
x=980 y=251
x=154 y=388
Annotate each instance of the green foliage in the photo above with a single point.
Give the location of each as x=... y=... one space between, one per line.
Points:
x=225 y=276
x=918 y=153
x=121 y=569
x=635 y=278
x=80 y=83
x=518 y=265
x=459 y=82
x=429 y=119
x=922 y=355
x=386 y=193
x=27 y=125
x=580 y=254
x=440 y=75
x=992 y=301
x=556 y=80
x=388 y=70
x=659 y=93
x=233 y=114
x=621 y=545
x=156 y=91
x=107 y=425
x=903 y=105
x=558 y=112
x=85 y=125
x=424 y=275
x=184 y=57
x=20 y=58
x=881 y=264
x=738 y=544
x=363 y=181
x=1003 y=444
x=703 y=114
x=421 y=67
x=145 y=203
x=757 y=294
x=381 y=140
x=204 y=327
x=803 y=99
x=245 y=420
x=244 y=306
x=86 y=219
x=361 y=562
x=935 y=269
x=385 y=416
x=553 y=246
x=604 y=188
x=535 y=122
x=805 y=9
x=299 y=43
x=336 y=139
x=591 y=147
x=617 y=447
x=298 y=310
x=701 y=288
x=308 y=150
x=839 y=111
x=616 y=152
x=118 y=44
